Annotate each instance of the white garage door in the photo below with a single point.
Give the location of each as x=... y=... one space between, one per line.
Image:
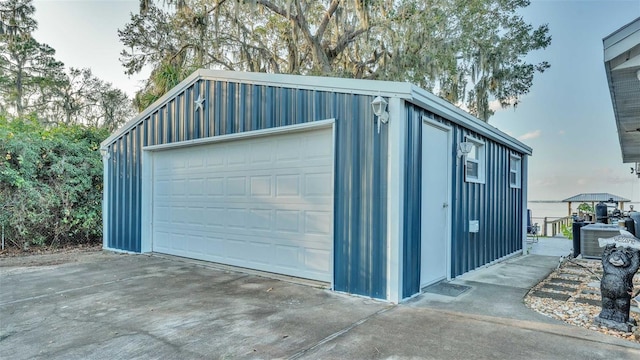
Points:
x=264 y=203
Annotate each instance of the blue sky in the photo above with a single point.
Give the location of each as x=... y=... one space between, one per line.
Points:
x=567 y=118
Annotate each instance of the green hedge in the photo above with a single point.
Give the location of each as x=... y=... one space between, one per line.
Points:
x=50 y=183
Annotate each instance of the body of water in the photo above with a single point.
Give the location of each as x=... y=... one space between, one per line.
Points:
x=557 y=209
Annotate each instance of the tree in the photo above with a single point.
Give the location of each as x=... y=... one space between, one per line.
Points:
x=113 y=107
x=74 y=97
x=50 y=183
x=469 y=52
x=82 y=98
x=585 y=208
x=28 y=69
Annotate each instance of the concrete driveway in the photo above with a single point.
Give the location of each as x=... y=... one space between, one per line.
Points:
x=115 y=306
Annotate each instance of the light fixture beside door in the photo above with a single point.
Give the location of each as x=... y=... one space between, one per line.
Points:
x=464 y=148
x=379 y=105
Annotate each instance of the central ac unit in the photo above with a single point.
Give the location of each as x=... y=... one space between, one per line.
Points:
x=589 y=235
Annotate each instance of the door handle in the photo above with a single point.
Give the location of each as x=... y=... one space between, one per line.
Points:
x=445 y=205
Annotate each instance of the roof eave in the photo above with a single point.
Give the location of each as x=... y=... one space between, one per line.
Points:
x=151 y=108
x=403 y=90
x=453 y=113
x=620 y=53
x=617 y=42
x=341 y=85
x=612 y=93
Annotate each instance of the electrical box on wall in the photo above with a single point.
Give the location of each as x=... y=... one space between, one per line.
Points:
x=474 y=226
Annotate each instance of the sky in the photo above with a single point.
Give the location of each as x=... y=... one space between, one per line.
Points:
x=567 y=117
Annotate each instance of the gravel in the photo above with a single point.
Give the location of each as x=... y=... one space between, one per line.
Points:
x=578 y=281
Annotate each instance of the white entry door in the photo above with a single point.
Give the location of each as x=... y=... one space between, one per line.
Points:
x=436 y=170
x=263 y=203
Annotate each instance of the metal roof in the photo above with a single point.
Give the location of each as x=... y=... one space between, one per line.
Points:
x=402 y=90
x=622 y=65
x=594 y=197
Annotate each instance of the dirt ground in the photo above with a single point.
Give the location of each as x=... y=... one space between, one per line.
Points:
x=44 y=256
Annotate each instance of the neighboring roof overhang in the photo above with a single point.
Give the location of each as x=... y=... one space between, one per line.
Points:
x=622 y=65
x=402 y=90
x=593 y=197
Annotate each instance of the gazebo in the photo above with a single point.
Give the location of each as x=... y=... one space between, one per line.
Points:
x=594 y=198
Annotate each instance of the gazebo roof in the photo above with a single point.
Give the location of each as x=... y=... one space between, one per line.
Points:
x=594 y=197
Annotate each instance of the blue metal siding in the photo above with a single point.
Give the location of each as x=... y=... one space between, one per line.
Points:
x=124 y=197
x=412 y=196
x=495 y=204
x=360 y=242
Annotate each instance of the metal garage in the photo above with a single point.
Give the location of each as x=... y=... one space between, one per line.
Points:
x=362 y=184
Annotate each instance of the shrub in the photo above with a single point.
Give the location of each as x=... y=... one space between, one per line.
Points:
x=50 y=183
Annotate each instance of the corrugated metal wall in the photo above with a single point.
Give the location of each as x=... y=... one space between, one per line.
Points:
x=495 y=204
x=360 y=250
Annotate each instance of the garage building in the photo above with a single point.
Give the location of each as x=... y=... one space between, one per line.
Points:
x=297 y=175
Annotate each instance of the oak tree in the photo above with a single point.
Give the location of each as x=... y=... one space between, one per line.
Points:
x=469 y=52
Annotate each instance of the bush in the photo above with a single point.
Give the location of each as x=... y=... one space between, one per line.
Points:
x=50 y=183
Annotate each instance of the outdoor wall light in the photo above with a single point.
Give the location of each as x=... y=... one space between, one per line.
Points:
x=104 y=152
x=379 y=106
x=464 y=148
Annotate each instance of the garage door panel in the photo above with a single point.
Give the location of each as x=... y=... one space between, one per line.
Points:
x=265 y=204
x=318 y=222
x=214 y=160
x=260 y=186
x=261 y=219
x=261 y=153
x=318 y=184
x=215 y=186
x=236 y=186
x=236 y=155
x=287 y=221
x=196 y=186
x=288 y=150
x=315 y=259
x=195 y=162
x=245 y=251
x=287 y=185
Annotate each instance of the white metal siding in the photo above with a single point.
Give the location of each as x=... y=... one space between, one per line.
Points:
x=264 y=203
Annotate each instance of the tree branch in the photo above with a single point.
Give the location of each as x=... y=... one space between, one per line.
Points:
x=326 y=18
x=344 y=41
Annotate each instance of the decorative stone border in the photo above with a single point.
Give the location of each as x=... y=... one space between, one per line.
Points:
x=572 y=294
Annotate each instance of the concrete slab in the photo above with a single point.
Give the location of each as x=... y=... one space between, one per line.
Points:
x=551 y=246
x=484 y=299
x=127 y=306
x=109 y=306
x=497 y=290
x=409 y=333
x=520 y=272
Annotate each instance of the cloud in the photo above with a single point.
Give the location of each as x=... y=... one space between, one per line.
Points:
x=619 y=180
x=547 y=181
x=508 y=132
x=495 y=105
x=561 y=132
x=530 y=135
